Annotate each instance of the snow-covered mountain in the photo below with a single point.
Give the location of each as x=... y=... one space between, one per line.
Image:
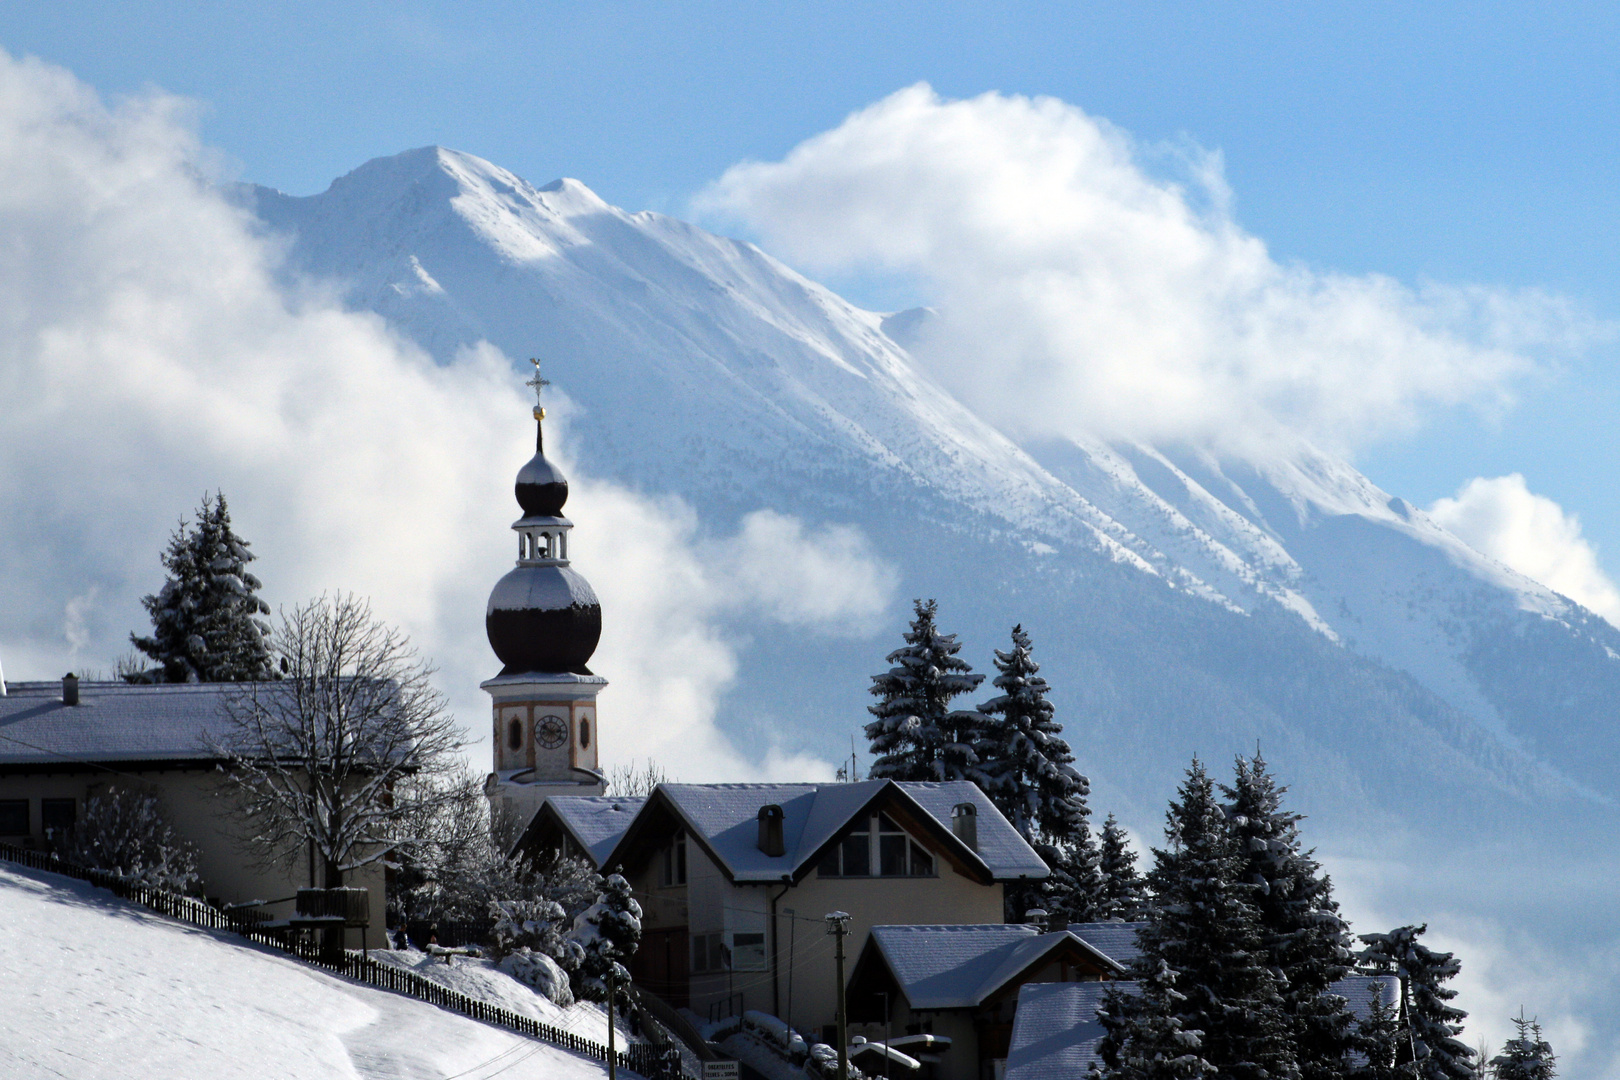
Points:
x=1170 y=590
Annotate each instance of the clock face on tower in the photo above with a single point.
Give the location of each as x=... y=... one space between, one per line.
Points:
x=550 y=731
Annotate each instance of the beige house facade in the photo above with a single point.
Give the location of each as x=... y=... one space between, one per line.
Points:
x=55 y=756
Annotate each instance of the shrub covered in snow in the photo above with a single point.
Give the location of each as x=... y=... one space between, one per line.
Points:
x=531 y=946
x=537 y=970
x=123 y=832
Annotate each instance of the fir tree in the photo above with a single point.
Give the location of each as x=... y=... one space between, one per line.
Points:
x=1527 y=1056
x=1145 y=1037
x=916 y=735
x=1205 y=927
x=1028 y=770
x=1304 y=942
x=1378 y=1041
x=205 y=619
x=609 y=931
x=1123 y=891
x=1434 y=1051
x=1075 y=888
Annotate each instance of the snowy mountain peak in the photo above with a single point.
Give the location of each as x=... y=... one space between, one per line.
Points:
x=771 y=391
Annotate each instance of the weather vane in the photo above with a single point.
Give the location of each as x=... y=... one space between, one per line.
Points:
x=539 y=384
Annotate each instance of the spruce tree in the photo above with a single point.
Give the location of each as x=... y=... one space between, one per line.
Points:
x=609 y=931
x=205 y=619
x=1123 y=891
x=1203 y=924
x=1378 y=1041
x=916 y=735
x=1145 y=1036
x=1527 y=1056
x=1434 y=1051
x=1304 y=942
x=1074 y=890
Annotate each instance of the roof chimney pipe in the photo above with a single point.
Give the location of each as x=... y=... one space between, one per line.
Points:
x=70 y=689
x=770 y=831
x=965 y=824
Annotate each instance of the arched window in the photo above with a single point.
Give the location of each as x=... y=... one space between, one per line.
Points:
x=514 y=734
x=584 y=732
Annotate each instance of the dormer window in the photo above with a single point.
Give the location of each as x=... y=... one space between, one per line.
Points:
x=882 y=849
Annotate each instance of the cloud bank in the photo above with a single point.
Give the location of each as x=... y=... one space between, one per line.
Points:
x=147 y=355
x=1079 y=293
x=1501 y=517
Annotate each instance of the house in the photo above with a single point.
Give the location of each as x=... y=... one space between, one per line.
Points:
x=1056 y=1034
x=734 y=880
x=61 y=743
x=963 y=982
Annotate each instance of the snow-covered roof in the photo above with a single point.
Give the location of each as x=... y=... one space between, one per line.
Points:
x=1115 y=940
x=113 y=721
x=596 y=822
x=1055 y=1030
x=958 y=967
x=724 y=818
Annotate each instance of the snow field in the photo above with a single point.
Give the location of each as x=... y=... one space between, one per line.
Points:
x=93 y=987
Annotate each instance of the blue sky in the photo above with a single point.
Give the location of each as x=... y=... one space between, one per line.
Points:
x=1458 y=143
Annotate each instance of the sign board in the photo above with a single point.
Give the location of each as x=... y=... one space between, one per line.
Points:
x=722 y=1070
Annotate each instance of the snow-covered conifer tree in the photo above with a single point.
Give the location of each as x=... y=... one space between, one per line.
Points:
x=1124 y=895
x=1439 y=1054
x=1204 y=926
x=609 y=931
x=1305 y=943
x=1378 y=1041
x=1527 y=1056
x=916 y=735
x=1146 y=1036
x=205 y=619
x=1074 y=890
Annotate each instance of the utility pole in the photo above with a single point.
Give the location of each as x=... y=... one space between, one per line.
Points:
x=613 y=1054
x=838 y=926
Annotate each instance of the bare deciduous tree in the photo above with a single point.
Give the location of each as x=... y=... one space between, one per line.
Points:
x=338 y=756
x=634 y=780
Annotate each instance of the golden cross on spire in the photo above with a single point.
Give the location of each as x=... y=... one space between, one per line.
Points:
x=539 y=384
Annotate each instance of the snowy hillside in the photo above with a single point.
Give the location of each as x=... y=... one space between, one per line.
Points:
x=1290 y=599
x=95 y=987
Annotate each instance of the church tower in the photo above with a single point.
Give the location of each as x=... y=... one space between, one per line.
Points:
x=543 y=621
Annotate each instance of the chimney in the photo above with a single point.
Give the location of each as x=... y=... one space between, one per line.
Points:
x=1037 y=917
x=770 y=830
x=965 y=824
x=70 y=689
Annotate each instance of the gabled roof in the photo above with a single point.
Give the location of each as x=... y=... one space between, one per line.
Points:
x=724 y=820
x=113 y=722
x=1055 y=1030
x=1115 y=940
x=594 y=822
x=959 y=967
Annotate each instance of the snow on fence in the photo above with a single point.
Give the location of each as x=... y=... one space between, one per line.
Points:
x=641 y=1058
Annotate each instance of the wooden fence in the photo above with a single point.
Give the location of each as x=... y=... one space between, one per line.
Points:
x=643 y=1058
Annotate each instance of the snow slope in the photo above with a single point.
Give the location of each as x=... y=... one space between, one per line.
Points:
x=710 y=370
x=93 y=987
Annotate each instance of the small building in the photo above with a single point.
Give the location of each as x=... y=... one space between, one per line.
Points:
x=62 y=743
x=734 y=879
x=963 y=982
x=1056 y=1034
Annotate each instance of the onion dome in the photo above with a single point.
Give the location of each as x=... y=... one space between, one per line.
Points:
x=543 y=616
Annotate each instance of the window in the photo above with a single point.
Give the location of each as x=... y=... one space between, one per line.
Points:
x=897 y=854
x=14 y=817
x=584 y=732
x=675 y=861
x=514 y=734
x=748 y=952
x=709 y=954
x=56 y=815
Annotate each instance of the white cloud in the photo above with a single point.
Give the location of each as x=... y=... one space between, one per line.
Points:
x=1079 y=293
x=147 y=356
x=1501 y=517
